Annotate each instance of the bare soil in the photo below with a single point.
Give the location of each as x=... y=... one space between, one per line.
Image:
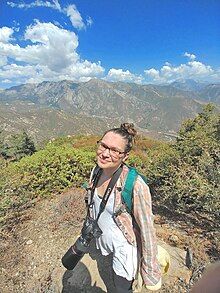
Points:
x=34 y=240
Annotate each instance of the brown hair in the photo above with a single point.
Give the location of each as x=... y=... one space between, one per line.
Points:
x=127 y=131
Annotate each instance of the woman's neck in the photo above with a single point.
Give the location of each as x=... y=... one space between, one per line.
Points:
x=107 y=173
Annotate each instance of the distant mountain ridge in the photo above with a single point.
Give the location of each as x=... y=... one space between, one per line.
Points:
x=189 y=85
x=160 y=108
x=206 y=92
x=44 y=123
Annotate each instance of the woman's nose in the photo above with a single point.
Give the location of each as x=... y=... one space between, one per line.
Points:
x=106 y=152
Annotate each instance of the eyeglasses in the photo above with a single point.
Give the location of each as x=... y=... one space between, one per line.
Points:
x=114 y=153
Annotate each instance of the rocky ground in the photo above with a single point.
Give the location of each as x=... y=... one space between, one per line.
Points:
x=34 y=240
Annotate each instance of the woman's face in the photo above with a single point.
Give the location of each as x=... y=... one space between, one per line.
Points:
x=111 y=151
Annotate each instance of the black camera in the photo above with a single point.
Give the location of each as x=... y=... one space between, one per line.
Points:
x=73 y=255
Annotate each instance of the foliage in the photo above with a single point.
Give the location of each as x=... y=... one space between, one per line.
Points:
x=2 y=144
x=17 y=146
x=53 y=169
x=1 y=139
x=185 y=175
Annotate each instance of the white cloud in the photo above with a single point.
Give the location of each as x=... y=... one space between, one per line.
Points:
x=153 y=73
x=190 y=56
x=5 y=37
x=38 y=3
x=16 y=26
x=13 y=70
x=75 y=17
x=50 y=55
x=89 y=21
x=125 y=76
x=5 y=34
x=3 y=60
x=6 y=81
x=70 y=11
x=57 y=23
x=190 y=70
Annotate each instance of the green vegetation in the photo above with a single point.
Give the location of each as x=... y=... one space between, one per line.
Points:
x=183 y=175
x=16 y=146
x=48 y=171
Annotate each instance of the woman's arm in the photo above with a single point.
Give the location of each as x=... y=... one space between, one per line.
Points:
x=142 y=209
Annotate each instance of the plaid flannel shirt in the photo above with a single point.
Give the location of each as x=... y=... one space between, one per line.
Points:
x=141 y=235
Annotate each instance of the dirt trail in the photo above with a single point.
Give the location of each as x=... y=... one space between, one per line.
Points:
x=33 y=247
x=33 y=244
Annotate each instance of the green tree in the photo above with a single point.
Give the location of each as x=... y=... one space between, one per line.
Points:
x=198 y=143
x=19 y=145
x=186 y=175
x=3 y=145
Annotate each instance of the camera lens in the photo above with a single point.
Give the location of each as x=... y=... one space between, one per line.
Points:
x=71 y=258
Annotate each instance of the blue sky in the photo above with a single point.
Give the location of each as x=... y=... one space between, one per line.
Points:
x=140 y=41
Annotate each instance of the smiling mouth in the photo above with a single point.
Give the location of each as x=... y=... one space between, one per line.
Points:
x=104 y=160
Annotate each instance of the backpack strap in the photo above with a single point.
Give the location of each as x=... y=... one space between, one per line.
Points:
x=127 y=192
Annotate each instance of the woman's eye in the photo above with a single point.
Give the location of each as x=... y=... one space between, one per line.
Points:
x=114 y=151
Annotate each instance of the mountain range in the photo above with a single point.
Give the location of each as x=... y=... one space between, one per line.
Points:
x=50 y=109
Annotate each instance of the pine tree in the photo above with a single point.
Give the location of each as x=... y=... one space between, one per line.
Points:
x=18 y=146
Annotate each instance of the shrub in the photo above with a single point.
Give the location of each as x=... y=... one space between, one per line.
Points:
x=185 y=175
x=16 y=146
x=53 y=169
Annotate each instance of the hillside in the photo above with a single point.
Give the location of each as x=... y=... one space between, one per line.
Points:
x=153 y=108
x=51 y=109
x=189 y=85
x=34 y=241
x=43 y=122
x=42 y=207
x=211 y=93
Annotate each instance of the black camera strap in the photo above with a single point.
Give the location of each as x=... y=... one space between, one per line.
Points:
x=95 y=179
x=108 y=190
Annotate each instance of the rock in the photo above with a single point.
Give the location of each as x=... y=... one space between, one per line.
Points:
x=174 y=239
x=29 y=242
x=178 y=268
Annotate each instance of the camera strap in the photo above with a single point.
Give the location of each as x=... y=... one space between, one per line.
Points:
x=95 y=179
x=108 y=190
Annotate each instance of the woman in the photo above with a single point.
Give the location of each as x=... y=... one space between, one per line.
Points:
x=130 y=238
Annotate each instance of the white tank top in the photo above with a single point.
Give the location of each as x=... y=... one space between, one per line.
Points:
x=113 y=241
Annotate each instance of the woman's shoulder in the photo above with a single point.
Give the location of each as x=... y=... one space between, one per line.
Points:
x=140 y=181
x=124 y=173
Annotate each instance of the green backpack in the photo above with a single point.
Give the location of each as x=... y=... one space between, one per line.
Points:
x=127 y=192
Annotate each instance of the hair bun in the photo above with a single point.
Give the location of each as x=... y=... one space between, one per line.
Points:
x=129 y=128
